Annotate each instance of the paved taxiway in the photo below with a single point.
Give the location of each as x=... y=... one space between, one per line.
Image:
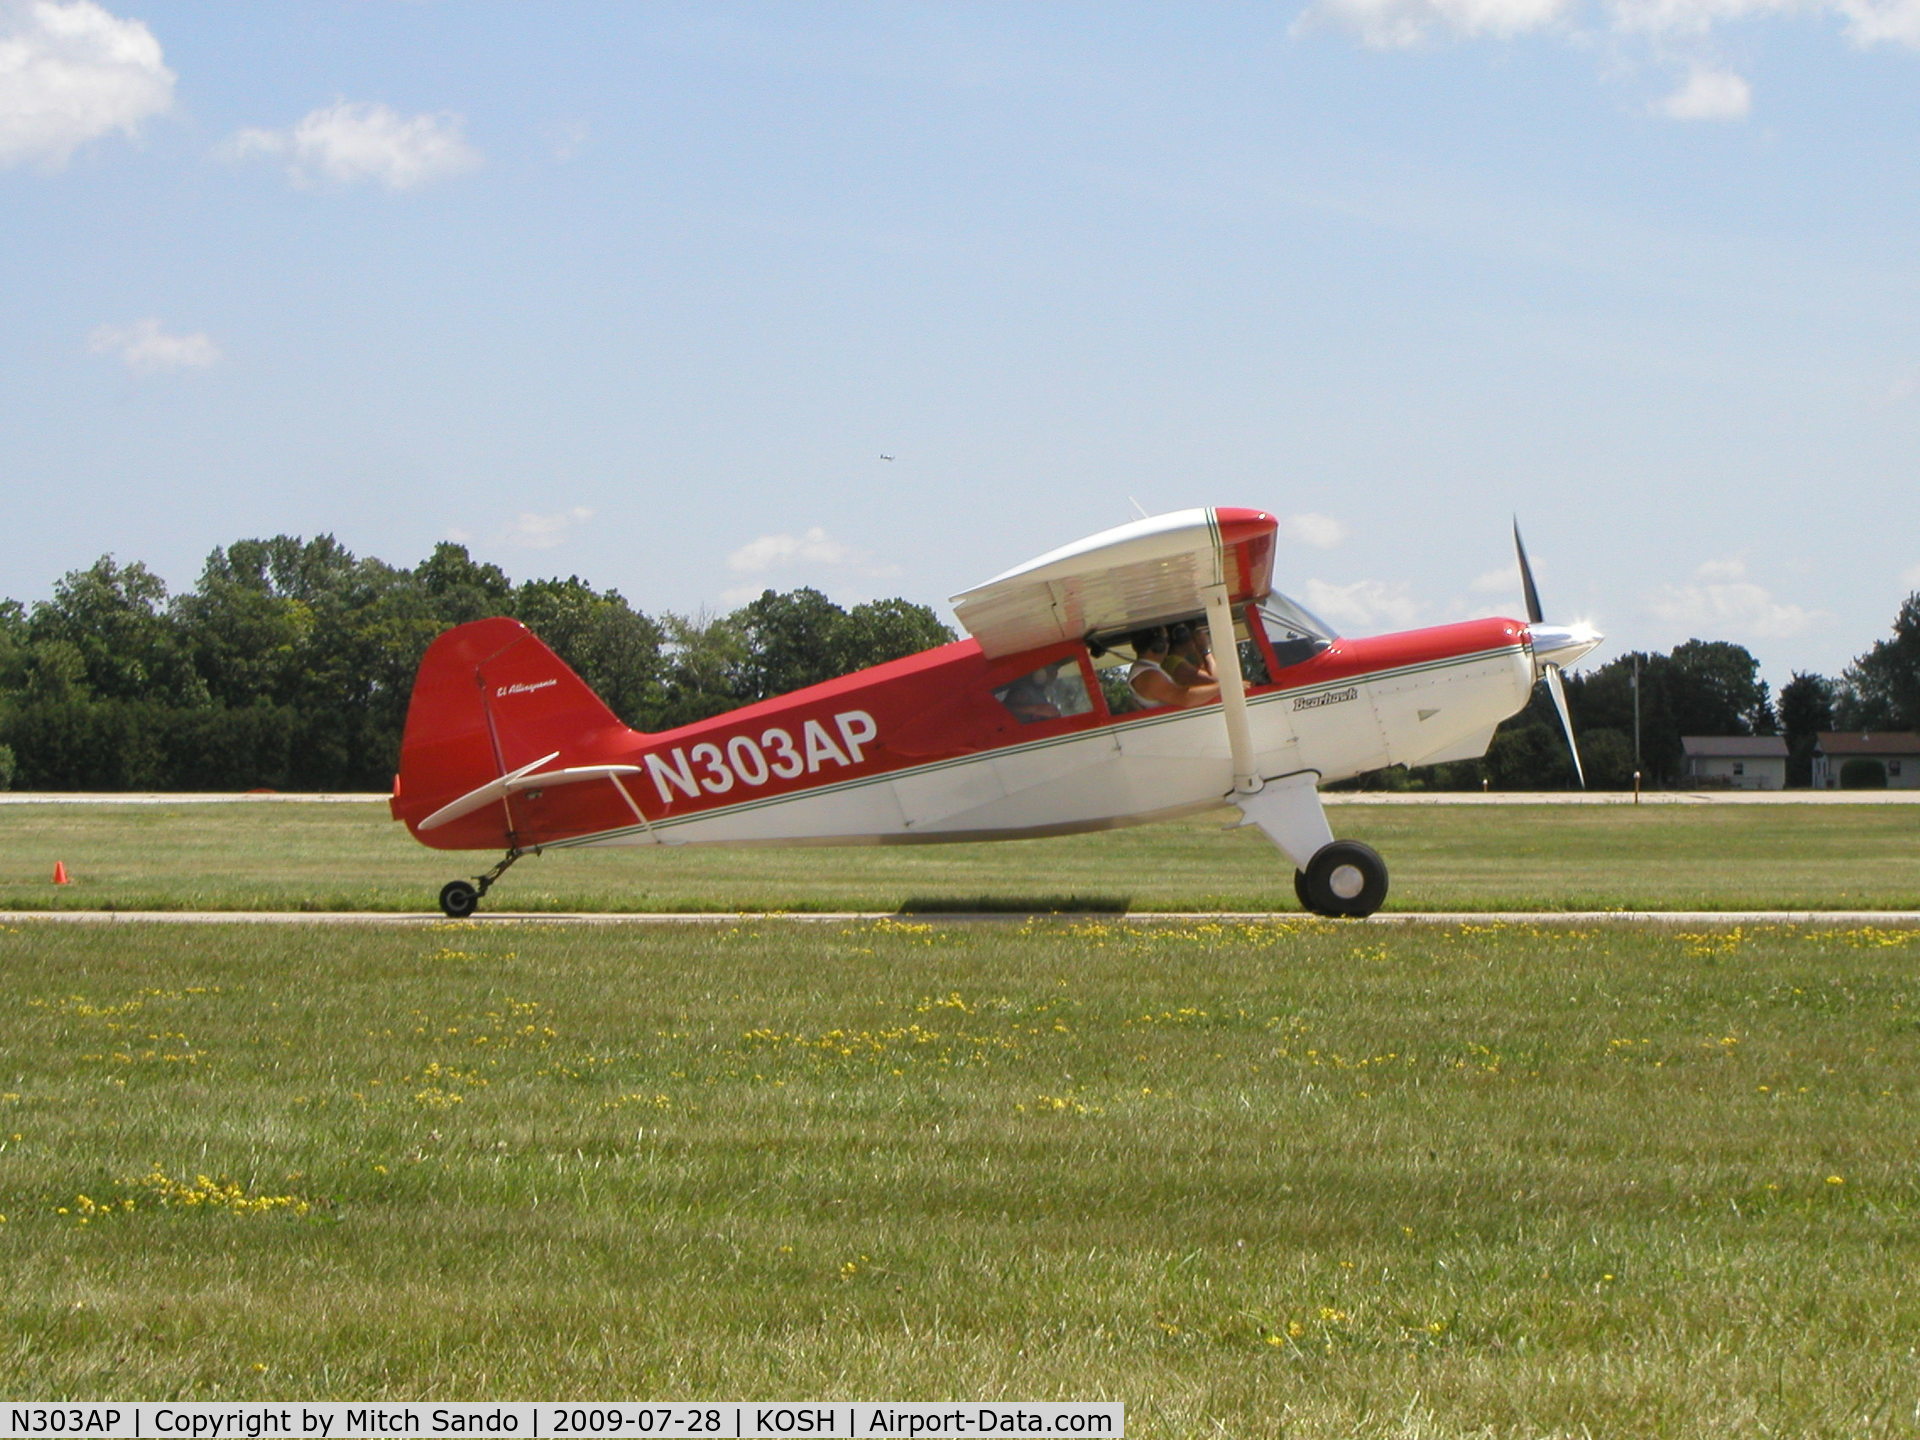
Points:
x=1334 y=797
x=942 y=917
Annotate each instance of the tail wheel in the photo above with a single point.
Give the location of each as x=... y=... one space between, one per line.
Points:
x=459 y=899
x=1344 y=880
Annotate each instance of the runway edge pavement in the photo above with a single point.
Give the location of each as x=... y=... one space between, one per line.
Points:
x=1335 y=797
x=430 y=919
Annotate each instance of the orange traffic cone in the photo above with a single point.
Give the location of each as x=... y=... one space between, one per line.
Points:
x=60 y=873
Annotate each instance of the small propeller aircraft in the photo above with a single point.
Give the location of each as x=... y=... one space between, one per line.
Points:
x=1039 y=724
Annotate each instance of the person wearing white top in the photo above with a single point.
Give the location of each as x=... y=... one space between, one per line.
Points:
x=1147 y=677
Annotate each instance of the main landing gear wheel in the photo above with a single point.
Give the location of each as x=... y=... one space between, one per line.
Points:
x=1344 y=880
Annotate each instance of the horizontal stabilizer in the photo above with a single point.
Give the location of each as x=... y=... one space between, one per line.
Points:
x=527 y=777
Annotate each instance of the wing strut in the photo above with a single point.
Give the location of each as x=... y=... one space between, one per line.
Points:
x=1233 y=689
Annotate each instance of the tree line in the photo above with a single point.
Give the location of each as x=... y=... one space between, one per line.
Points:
x=289 y=663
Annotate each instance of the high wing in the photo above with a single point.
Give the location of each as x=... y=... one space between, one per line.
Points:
x=1138 y=574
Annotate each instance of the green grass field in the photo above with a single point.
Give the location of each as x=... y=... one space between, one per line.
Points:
x=1306 y=1180
x=1519 y=857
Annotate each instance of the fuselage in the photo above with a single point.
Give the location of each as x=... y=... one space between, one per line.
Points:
x=948 y=745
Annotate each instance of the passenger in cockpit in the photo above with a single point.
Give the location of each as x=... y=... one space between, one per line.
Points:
x=1030 y=697
x=1190 y=654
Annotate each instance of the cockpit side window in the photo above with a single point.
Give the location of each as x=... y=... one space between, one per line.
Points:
x=1053 y=691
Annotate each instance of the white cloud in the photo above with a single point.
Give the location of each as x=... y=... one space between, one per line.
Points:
x=1692 y=17
x=1397 y=24
x=542 y=532
x=1868 y=24
x=351 y=141
x=1364 y=606
x=1722 y=602
x=776 y=552
x=1322 y=532
x=72 y=73
x=1504 y=581
x=811 y=552
x=1722 y=572
x=1655 y=35
x=1708 y=94
x=147 y=349
x=1865 y=22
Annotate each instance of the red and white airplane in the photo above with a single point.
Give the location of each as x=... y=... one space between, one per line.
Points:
x=1030 y=727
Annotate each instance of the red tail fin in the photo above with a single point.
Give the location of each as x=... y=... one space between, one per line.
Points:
x=490 y=699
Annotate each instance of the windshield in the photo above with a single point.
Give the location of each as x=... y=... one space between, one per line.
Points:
x=1294 y=632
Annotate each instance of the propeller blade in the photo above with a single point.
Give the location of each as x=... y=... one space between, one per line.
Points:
x=1550 y=646
x=1558 y=690
x=1534 y=613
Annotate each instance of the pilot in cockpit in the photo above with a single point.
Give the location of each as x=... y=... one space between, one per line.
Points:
x=1150 y=681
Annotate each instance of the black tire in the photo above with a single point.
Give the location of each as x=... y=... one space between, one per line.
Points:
x=1344 y=880
x=458 y=899
x=1300 y=889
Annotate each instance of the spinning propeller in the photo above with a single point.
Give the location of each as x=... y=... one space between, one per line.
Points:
x=1554 y=647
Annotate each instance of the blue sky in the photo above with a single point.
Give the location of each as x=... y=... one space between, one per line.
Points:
x=644 y=292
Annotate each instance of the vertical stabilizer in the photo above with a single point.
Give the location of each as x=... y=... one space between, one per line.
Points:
x=489 y=700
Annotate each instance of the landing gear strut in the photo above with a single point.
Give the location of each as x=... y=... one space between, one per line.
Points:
x=460 y=898
x=1343 y=880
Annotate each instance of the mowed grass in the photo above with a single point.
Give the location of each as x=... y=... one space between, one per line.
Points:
x=1302 y=1179
x=1519 y=857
